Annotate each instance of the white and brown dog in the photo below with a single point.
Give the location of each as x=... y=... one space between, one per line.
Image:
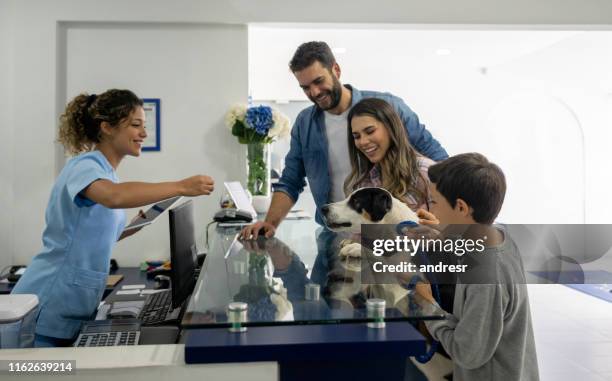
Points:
x=365 y=206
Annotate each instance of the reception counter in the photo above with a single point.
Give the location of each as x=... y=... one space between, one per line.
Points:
x=302 y=305
x=305 y=318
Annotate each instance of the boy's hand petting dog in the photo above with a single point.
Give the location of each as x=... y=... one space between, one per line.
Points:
x=426 y=228
x=427 y=218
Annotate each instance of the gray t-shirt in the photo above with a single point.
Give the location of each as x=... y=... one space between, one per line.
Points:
x=489 y=335
x=337 y=150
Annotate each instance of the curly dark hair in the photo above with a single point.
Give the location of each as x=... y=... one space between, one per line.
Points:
x=79 y=129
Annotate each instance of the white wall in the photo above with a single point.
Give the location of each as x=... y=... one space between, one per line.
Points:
x=540 y=109
x=187 y=66
x=6 y=133
x=197 y=69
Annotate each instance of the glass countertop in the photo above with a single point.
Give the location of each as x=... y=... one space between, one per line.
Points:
x=296 y=277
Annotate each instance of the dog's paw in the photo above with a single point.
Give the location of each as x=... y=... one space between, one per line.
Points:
x=346 y=242
x=351 y=250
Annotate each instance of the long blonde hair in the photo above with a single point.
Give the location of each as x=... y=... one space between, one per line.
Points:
x=399 y=168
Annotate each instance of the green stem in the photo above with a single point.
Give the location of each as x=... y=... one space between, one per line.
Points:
x=258 y=171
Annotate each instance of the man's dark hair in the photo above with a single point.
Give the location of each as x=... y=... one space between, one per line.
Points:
x=475 y=180
x=309 y=52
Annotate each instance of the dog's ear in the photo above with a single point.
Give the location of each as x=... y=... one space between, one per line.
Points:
x=375 y=202
x=381 y=205
x=359 y=201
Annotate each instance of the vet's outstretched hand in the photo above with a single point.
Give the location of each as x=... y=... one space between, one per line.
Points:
x=197 y=185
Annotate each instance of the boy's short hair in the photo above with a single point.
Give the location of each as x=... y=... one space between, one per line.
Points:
x=475 y=180
x=309 y=52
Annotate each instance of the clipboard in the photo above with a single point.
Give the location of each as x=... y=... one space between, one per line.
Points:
x=153 y=213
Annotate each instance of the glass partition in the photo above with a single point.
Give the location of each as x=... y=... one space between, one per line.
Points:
x=296 y=277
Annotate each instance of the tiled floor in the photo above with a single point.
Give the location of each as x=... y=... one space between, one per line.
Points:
x=573 y=333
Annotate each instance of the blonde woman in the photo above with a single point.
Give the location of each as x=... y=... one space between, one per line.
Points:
x=381 y=156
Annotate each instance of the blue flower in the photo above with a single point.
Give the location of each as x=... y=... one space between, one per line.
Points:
x=262 y=310
x=260 y=119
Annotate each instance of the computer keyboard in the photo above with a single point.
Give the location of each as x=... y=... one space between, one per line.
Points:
x=107 y=339
x=156 y=308
x=106 y=333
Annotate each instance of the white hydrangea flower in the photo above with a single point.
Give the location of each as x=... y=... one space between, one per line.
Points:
x=237 y=112
x=281 y=125
x=274 y=131
x=285 y=127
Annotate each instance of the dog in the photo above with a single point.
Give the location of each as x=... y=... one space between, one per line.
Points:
x=365 y=206
x=373 y=206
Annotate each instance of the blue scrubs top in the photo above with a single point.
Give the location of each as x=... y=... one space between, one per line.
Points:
x=69 y=274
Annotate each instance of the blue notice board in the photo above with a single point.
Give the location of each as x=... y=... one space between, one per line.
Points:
x=152 y=111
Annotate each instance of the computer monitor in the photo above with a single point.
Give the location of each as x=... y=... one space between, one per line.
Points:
x=183 y=252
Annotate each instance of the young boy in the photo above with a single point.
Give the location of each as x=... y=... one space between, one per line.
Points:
x=489 y=335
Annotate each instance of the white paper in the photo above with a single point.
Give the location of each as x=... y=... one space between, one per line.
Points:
x=102 y=311
x=132 y=286
x=240 y=197
x=128 y=292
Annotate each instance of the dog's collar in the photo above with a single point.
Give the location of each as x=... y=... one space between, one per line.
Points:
x=405 y=224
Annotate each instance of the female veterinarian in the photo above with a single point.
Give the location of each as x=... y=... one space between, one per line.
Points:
x=381 y=156
x=85 y=216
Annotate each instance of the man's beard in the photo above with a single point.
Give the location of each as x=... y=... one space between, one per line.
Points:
x=334 y=95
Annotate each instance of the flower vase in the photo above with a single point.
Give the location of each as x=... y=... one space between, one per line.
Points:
x=258 y=175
